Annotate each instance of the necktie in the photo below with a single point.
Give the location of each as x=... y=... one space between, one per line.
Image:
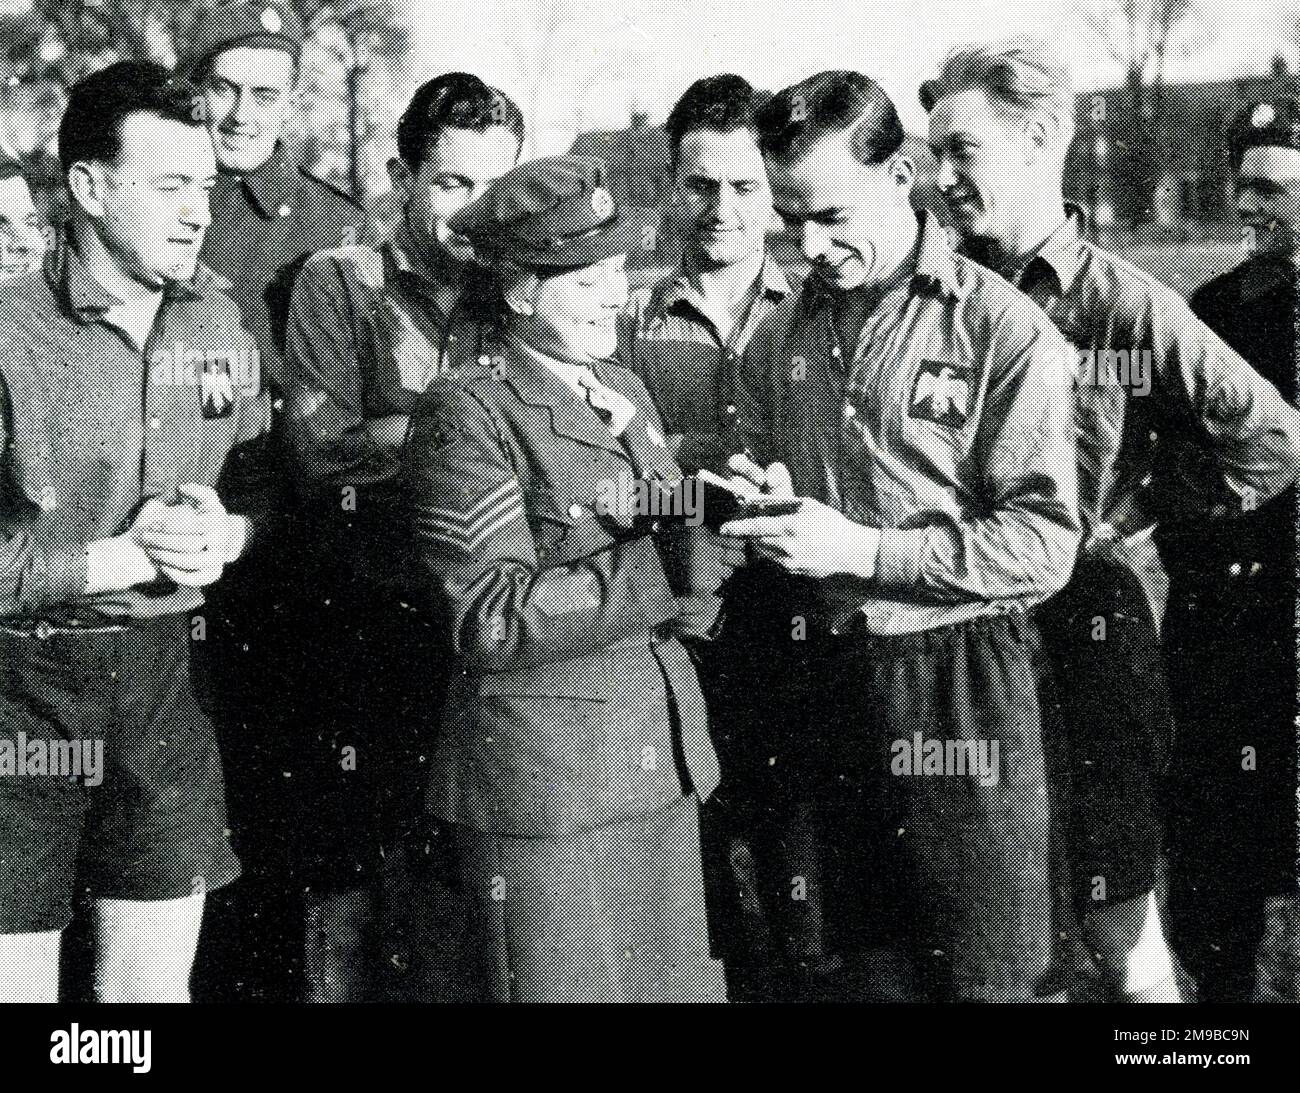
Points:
x=611 y=407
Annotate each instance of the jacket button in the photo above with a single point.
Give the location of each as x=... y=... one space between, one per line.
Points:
x=1255 y=567
x=576 y=512
x=1234 y=570
x=43 y=630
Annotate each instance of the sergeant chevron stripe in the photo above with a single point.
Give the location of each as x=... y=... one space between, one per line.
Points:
x=466 y=530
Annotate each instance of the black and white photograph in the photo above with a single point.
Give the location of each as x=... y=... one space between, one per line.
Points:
x=541 y=501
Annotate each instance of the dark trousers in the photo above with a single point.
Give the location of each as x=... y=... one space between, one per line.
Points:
x=935 y=861
x=323 y=742
x=245 y=672
x=1109 y=732
x=761 y=859
x=1230 y=641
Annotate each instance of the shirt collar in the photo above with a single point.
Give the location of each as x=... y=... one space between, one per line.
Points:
x=1061 y=254
x=66 y=271
x=680 y=290
x=1265 y=273
x=474 y=291
x=566 y=371
x=936 y=267
x=936 y=264
x=273 y=185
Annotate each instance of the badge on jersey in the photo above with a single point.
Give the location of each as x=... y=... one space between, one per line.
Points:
x=942 y=394
x=216 y=387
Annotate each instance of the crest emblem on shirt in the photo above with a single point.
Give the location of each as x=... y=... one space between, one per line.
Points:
x=216 y=388
x=941 y=394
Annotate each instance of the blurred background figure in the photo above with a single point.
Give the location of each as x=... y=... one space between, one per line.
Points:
x=22 y=232
x=268 y=215
x=688 y=332
x=1230 y=630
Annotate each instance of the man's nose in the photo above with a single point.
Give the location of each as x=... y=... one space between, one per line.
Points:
x=242 y=112
x=723 y=204
x=616 y=291
x=812 y=241
x=197 y=211
x=945 y=177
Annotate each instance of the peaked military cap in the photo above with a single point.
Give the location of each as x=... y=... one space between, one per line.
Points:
x=555 y=212
x=265 y=24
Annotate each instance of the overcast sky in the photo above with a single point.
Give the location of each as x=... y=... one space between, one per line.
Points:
x=608 y=58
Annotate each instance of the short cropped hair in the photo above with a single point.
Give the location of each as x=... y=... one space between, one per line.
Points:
x=454 y=100
x=721 y=103
x=830 y=102
x=91 y=129
x=1024 y=74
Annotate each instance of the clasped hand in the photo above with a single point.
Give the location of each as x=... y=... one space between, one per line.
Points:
x=190 y=541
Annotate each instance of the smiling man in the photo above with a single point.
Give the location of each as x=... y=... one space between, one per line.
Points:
x=1230 y=631
x=117 y=472
x=903 y=397
x=268 y=215
x=1000 y=124
x=369 y=329
x=688 y=334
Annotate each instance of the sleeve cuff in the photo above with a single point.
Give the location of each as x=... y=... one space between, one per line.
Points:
x=898 y=563
x=66 y=571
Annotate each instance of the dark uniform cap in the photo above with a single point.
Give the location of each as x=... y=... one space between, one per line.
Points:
x=1259 y=124
x=554 y=212
x=265 y=24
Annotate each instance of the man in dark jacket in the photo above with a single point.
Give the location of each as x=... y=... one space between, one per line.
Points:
x=1230 y=631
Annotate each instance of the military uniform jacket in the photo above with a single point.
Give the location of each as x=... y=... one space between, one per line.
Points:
x=1254 y=309
x=264 y=226
x=569 y=707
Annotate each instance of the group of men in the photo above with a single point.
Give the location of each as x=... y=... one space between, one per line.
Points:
x=953 y=764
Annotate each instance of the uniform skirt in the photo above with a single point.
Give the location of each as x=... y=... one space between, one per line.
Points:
x=614 y=914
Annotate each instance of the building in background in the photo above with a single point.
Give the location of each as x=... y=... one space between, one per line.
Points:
x=1195 y=182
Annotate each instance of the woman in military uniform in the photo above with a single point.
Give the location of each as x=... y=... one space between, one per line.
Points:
x=573 y=749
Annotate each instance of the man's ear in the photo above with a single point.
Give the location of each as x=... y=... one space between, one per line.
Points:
x=400 y=175
x=1043 y=131
x=519 y=289
x=902 y=169
x=86 y=187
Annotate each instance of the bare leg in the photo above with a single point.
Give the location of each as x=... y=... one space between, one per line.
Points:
x=144 y=949
x=29 y=967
